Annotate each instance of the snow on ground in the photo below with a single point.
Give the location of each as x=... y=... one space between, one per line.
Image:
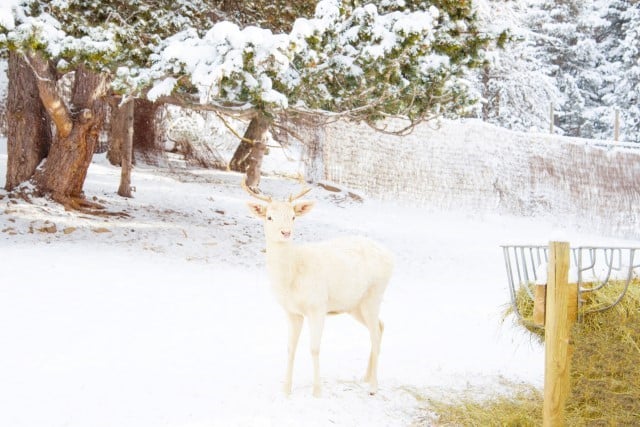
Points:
x=164 y=317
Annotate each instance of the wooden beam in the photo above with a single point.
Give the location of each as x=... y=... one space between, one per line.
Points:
x=539 y=304
x=560 y=317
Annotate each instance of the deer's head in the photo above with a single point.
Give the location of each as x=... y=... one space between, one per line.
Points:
x=278 y=216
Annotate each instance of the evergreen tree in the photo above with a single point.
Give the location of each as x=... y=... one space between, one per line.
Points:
x=627 y=91
x=567 y=42
x=366 y=62
x=609 y=33
x=92 y=39
x=361 y=62
x=515 y=84
x=595 y=70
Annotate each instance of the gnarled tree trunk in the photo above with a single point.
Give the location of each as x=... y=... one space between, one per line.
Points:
x=76 y=138
x=28 y=126
x=248 y=156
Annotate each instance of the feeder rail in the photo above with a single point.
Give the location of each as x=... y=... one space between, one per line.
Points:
x=591 y=267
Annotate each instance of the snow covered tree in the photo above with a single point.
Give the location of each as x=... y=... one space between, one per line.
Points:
x=611 y=72
x=581 y=40
x=557 y=24
x=74 y=140
x=91 y=39
x=363 y=62
x=627 y=91
x=515 y=84
x=583 y=79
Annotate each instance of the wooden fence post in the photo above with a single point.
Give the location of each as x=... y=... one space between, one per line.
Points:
x=539 y=304
x=561 y=312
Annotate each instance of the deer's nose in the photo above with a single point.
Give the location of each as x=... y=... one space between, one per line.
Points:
x=286 y=233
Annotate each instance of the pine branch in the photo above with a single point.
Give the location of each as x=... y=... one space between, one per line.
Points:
x=243 y=111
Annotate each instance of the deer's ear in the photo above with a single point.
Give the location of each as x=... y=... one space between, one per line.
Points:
x=257 y=209
x=303 y=208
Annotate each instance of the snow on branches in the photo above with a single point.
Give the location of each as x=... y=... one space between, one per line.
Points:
x=226 y=64
x=46 y=33
x=361 y=62
x=366 y=62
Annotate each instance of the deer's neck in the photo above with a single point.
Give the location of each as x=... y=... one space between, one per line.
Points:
x=280 y=262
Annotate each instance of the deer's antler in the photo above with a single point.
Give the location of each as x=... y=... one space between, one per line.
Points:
x=300 y=194
x=252 y=193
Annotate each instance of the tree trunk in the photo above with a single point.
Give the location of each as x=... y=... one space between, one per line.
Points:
x=144 y=134
x=144 y=131
x=114 y=152
x=486 y=105
x=248 y=156
x=77 y=134
x=28 y=129
x=126 y=113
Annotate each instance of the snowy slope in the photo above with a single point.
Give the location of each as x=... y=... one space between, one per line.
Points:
x=164 y=317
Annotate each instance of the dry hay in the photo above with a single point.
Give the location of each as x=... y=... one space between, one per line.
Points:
x=525 y=306
x=604 y=377
x=522 y=407
x=605 y=370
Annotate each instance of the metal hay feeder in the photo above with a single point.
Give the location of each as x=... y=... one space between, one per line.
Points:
x=591 y=267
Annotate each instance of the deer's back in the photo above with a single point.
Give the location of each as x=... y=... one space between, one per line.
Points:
x=341 y=272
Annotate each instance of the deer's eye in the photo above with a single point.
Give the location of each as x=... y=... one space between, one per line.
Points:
x=293 y=219
x=269 y=218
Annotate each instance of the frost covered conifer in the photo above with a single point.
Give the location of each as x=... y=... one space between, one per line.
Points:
x=515 y=84
x=627 y=92
x=91 y=38
x=364 y=61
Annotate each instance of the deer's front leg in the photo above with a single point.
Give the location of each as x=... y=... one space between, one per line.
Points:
x=295 y=326
x=316 y=325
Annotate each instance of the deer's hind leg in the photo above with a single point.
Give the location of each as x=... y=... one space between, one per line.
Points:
x=368 y=316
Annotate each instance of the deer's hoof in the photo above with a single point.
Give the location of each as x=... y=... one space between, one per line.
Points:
x=373 y=389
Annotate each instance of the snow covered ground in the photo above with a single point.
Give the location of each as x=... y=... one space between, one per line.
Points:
x=164 y=317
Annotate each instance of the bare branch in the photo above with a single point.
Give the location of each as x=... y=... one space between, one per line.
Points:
x=237 y=111
x=232 y=130
x=287 y=130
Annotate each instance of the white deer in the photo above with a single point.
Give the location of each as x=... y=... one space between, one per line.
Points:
x=344 y=275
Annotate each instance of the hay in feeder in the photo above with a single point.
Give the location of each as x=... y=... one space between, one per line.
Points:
x=604 y=377
x=525 y=306
x=605 y=370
